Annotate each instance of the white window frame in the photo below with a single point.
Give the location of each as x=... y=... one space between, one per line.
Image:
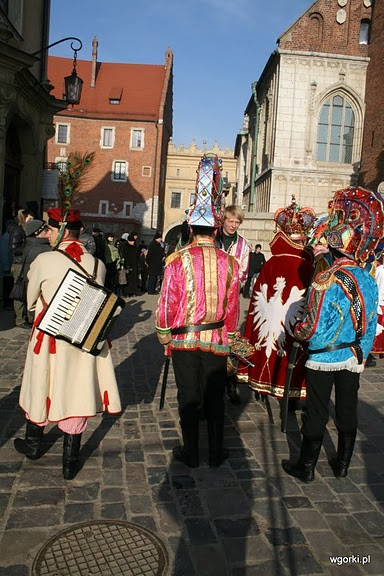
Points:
x=125 y=206
x=179 y=192
x=192 y=196
x=113 y=171
x=103 y=203
x=149 y=168
x=141 y=147
x=68 y=140
x=102 y=132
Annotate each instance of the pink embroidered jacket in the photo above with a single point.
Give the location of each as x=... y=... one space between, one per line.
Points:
x=240 y=249
x=200 y=286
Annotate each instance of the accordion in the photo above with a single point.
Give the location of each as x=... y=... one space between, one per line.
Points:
x=81 y=312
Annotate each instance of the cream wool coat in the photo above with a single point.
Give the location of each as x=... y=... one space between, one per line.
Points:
x=69 y=383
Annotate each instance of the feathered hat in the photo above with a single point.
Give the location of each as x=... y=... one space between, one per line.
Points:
x=294 y=221
x=356 y=222
x=65 y=217
x=206 y=209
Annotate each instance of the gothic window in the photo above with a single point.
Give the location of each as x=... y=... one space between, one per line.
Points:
x=335 y=131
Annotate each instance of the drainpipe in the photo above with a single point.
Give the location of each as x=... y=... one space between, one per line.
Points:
x=44 y=41
x=254 y=148
x=155 y=179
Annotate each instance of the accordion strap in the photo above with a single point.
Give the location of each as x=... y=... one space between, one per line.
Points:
x=91 y=276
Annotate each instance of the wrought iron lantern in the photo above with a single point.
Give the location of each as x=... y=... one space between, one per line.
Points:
x=73 y=83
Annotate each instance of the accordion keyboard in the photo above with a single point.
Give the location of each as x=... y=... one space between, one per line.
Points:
x=73 y=308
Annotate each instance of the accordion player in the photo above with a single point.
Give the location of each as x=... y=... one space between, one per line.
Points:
x=81 y=312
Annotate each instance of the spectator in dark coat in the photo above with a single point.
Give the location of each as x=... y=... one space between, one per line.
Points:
x=36 y=243
x=143 y=269
x=99 y=239
x=256 y=261
x=88 y=240
x=17 y=239
x=154 y=259
x=130 y=259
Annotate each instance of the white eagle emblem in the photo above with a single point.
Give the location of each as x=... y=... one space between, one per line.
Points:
x=272 y=317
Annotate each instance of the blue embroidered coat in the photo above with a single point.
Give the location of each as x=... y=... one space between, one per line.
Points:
x=341 y=309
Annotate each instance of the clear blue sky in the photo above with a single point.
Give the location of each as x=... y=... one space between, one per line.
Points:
x=219 y=46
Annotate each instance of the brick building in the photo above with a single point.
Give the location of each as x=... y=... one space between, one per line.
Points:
x=125 y=116
x=372 y=160
x=303 y=125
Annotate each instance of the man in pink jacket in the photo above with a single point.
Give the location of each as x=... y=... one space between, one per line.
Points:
x=196 y=320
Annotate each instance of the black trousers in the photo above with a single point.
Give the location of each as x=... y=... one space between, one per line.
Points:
x=319 y=388
x=200 y=378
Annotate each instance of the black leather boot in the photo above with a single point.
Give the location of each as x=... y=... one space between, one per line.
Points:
x=31 y=445
x=232 y=391
x=71 y=450
x=345 y=446
x=304 y=468
x=189 y=422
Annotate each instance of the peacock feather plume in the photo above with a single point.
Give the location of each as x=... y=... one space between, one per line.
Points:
x=70 y=179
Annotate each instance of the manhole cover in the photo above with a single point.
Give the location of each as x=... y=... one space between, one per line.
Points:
x=102 y=548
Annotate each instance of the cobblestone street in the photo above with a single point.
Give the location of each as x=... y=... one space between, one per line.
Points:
x=244 y=519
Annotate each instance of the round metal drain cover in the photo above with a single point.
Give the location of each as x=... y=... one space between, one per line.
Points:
x=102 y=548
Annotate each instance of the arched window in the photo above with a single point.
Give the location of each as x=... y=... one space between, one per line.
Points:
x=335 y=131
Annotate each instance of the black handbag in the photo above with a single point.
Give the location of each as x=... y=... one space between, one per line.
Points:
x=19 y=290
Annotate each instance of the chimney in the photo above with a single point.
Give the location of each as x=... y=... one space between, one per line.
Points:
x=94 y=61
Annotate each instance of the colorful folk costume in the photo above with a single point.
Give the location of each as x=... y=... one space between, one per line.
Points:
x=197 y=317
x=62 y=383
x=276 y=302
x=377 y=271
x=339 y=326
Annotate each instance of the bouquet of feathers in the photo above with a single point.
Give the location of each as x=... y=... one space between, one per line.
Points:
x=70 y=181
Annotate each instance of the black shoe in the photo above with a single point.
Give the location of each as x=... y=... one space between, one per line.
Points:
x=217 y=460
x=181 y=455
x=300 y=471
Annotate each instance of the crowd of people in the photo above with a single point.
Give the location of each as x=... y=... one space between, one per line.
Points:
x=311 y=324
x=132 y=267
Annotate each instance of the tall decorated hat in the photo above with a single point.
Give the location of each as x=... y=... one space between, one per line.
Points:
x=295 y=221
x=65 y=216
x=206 y=209
x=356 y=222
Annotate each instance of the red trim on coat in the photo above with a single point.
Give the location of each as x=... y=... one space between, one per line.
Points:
x=106 y=399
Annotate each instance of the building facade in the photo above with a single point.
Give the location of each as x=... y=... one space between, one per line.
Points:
x=182 y=164
x=303 y=125
x=372 y=160
x=125 y=117
x=26 y=105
